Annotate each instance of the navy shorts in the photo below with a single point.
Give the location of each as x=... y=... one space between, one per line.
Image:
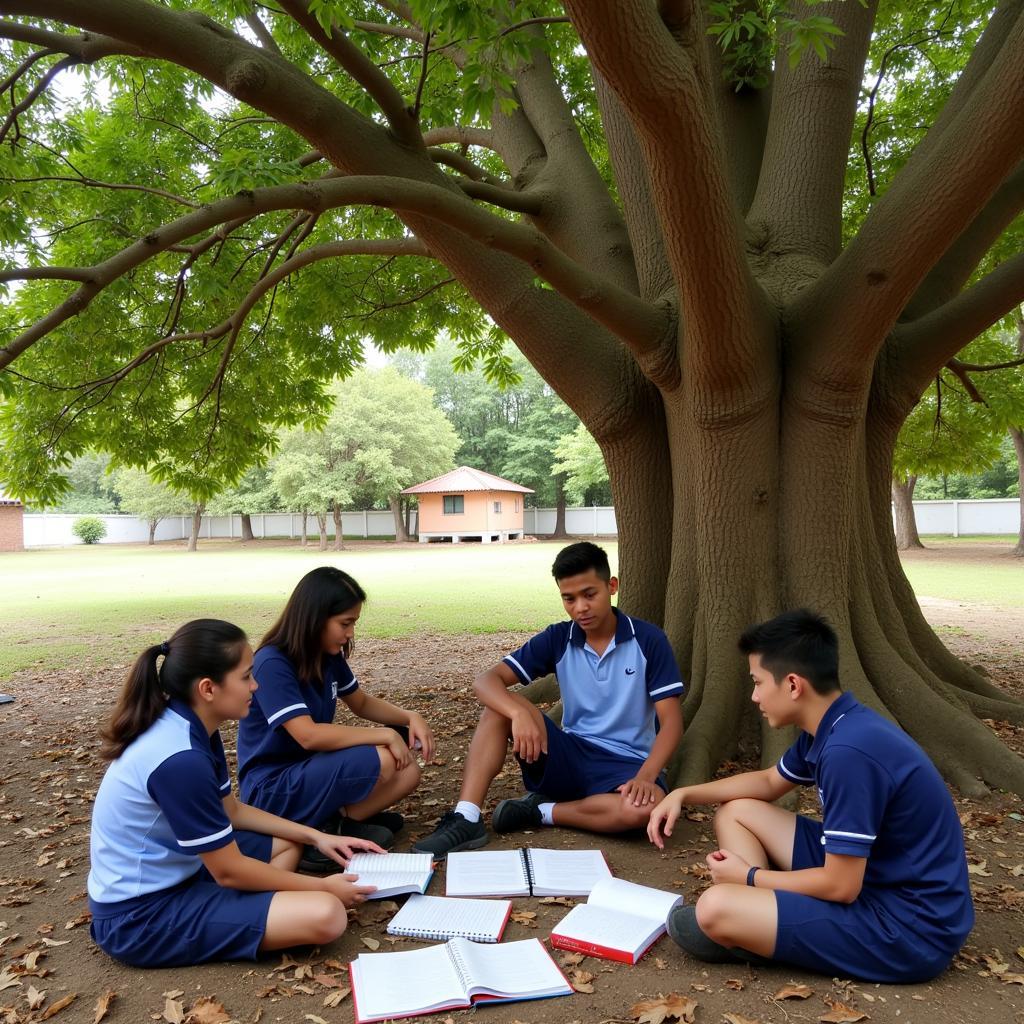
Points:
x=310 y=791
x=191 y=923
x=873 y=939
x=574 y=767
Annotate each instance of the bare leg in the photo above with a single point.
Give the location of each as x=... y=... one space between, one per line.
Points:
x=739 y=915
x=390 y=788
x=487 y=751
x=603 y=812
x=285 y=854
x=759 y=832
x=303 y=919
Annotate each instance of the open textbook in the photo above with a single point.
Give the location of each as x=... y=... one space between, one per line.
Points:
x=439 y=917
x=392 y=873
x=455 y=975
x=620 y=921
x=529 y=872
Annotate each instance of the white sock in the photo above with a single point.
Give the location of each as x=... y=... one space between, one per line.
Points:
x=546 y=810
x=468 y=810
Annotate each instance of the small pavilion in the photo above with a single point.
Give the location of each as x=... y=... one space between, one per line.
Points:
x=469 y=504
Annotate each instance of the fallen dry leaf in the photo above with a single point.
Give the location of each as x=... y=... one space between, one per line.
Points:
x=794 y=991
x=34 y=997
x=329 y=980
x=103 y=1005
x=7 y=980
x=738 y=1018
x=526 y=917
x=979 y=869
x=336 y=997
x=572 y=959
x=174 y=1012
x=735 y=984
x=313 y=1018
x=54 y=1008
x=55 y=942
x=671 y=1007
x=582 y=981
x=207 y=1010
x=840 y=1013
x=370 y=943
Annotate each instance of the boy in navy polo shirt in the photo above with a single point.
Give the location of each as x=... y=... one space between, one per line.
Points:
x=621 y=720
x=878 y=889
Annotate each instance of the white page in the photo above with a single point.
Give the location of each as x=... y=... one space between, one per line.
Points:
x=486 y=873
x=510 y=969
x=393 y=984
x=392 y=873
x=639 y=900
x=567 y=872
x=439 y=917
x=613 y=929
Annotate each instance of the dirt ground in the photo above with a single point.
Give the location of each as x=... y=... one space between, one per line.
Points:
x=49 y=967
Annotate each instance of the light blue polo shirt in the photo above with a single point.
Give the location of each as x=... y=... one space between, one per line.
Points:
x=159 y=806
x=883 y=799
x=608 y=698
x=282 y=696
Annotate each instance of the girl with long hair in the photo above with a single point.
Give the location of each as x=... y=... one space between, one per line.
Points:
x=181 y=871
x=293 y=759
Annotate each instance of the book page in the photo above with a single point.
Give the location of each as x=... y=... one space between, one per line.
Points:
x=509 y=970
x=396 y=984
x=487 y=873
x=392 y=872
x=640 y=900
x=440 y=917
x=567 y=872
x=612 y=929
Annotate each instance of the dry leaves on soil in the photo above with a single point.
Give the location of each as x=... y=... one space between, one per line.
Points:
x=671 y=1007
x=840 y=1013
x=738 y=1018
x=794 y=991
x=103 y=1005
x=62 y=1004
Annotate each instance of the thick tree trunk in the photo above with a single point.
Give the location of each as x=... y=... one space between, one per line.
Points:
x=247 y=533
x=152 y=530
x=903 y=505
x=1018 y=446
x=197 y=522
x=321 y=522
x=559 y=533
x=339 y=535
x=401 y=533
x=408 y=518
x=305 y=529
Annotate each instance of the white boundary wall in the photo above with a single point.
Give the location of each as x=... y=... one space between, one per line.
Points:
x=954 y=518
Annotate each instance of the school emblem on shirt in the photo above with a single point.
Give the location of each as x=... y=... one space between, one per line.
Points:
x=334 y=690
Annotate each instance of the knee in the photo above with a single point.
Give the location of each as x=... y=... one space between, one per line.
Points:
x=387 y=765
x=410 y=776
x=326 y=919
x=493 y=722
x=733 y=812
x=288 y=857
x=712 y=911
x=635 y=817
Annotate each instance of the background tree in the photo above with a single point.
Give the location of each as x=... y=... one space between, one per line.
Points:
x=385 y=434
x=142 y=496
x=90 y=486
x=578 y=458
x=657 y=216
x=254 y=493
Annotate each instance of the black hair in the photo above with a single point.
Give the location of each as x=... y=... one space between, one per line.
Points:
x=320 y=594
x=201 y=649
x=581 y=557
x=799 y=641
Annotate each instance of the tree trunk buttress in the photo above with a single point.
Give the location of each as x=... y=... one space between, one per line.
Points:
x=401 y=533
x=906 y=522
x=247 y=533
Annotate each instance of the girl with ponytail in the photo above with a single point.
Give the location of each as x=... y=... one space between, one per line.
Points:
x=181 y=871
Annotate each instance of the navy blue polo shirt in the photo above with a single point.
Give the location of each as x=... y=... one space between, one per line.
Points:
x=606 y=698
x=281 y=696
x=158 y=806
x=883 y=799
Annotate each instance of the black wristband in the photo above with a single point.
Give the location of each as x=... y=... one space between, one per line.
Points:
x=750 y=875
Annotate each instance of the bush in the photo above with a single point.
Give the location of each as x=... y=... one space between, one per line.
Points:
x=89 y=529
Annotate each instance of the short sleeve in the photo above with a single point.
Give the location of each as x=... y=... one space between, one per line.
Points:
x=188 y=792
x=342 y=673
x=279 y=693
x=540 y=654
x=793 y=765
x=856 y=790
x=663 y=676
x=220 y=764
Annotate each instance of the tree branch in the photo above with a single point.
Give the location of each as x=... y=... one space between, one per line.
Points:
x=400 y=117
x=641 y=325
x=460 y=135
x=113 y=186
x=506 y=198
x=34 y=93
x=262 y=33
x=464 y=165
x=960 y=369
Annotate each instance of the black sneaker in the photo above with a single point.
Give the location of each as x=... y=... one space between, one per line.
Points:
x=313 y=862
x=366 y=830
x=391 y=820
x=517 y=814
x=453 y=832
x=686 y=933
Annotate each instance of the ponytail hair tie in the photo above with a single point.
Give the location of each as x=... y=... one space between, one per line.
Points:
x=165 y=648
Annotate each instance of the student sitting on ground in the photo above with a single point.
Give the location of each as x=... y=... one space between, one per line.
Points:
x=620 y=691
x=878 y=890
x=182 y=872
x=293 y=760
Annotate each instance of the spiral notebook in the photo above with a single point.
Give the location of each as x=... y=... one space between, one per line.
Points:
x=529 y=872
x=449 y=976
x=440 y=917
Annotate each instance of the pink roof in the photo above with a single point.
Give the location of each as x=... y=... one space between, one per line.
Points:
x=466 y=479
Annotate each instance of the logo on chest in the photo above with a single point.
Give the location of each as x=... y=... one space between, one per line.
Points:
x=630 y=671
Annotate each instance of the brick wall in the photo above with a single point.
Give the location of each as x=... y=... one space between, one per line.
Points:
x=12 y=535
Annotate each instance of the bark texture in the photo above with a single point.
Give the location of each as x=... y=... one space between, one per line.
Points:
x=247 y=533
x=903 y=507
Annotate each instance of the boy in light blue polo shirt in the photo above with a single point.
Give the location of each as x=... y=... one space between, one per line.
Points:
x=877 y=889
x=621 y=719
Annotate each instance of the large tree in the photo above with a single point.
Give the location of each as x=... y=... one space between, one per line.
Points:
x=652 y=211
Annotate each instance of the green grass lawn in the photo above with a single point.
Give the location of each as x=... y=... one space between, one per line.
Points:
x=101 y=604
